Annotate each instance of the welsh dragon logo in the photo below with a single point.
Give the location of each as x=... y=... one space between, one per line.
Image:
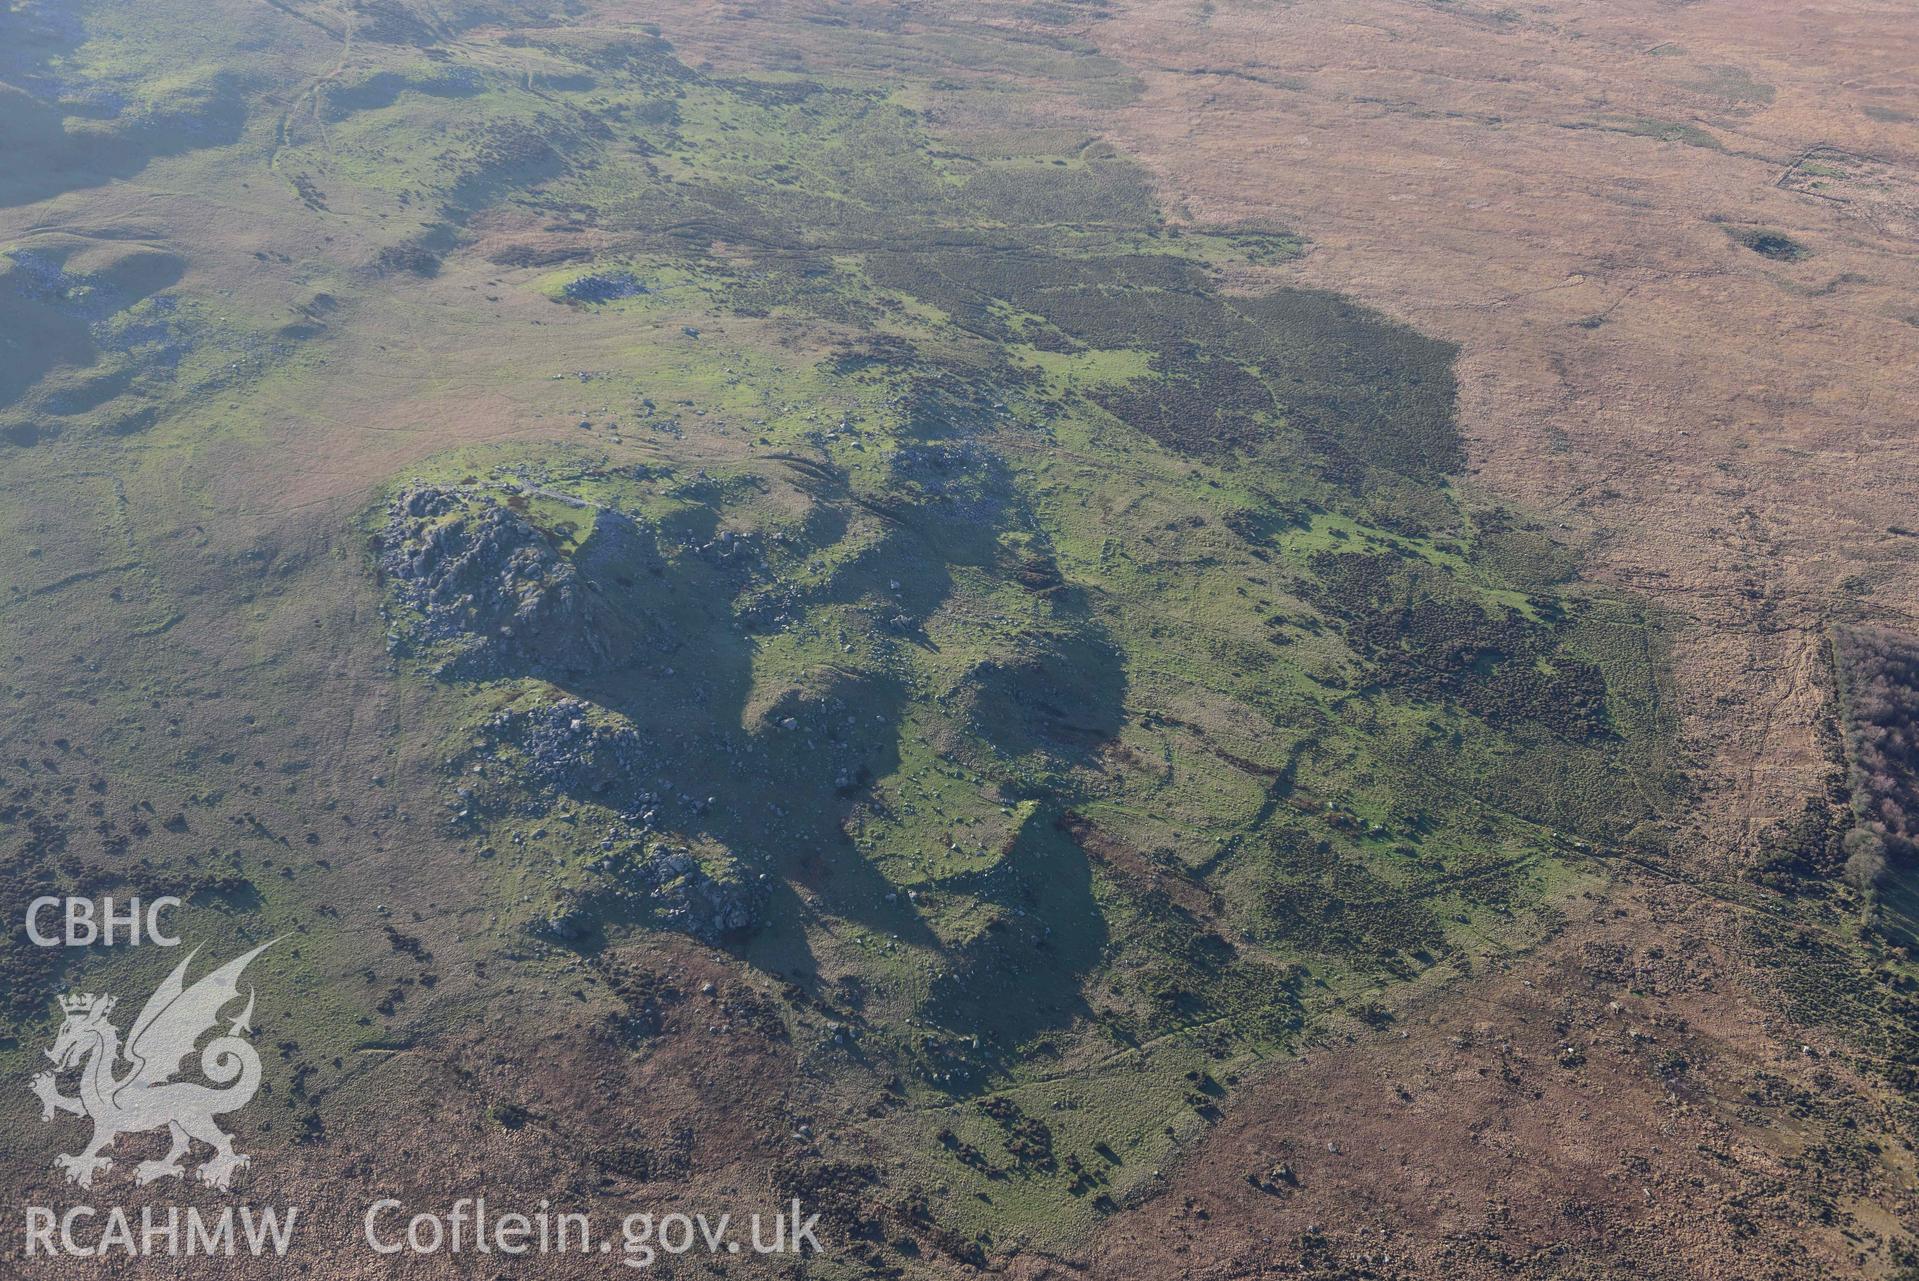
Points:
x=143 y=1095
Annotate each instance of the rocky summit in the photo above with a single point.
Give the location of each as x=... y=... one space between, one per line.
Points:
x=475 y=581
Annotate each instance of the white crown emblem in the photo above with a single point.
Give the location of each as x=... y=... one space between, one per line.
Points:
x=86 y=1003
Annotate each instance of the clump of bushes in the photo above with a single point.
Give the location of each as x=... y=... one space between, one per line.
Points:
x=605 y=286
x=1879 y=674
x=1771 y=244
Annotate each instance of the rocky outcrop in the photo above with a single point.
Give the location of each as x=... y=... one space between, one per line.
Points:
x=687 y=895
x=566 y=746
x=479 y=590
x=666 y=884
x=485 y=592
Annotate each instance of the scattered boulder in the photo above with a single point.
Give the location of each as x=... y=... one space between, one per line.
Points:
x=568 y=924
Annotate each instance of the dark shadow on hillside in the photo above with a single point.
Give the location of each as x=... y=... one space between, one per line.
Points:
x=49 y=315
x=1022 y=976
x=50 y=151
